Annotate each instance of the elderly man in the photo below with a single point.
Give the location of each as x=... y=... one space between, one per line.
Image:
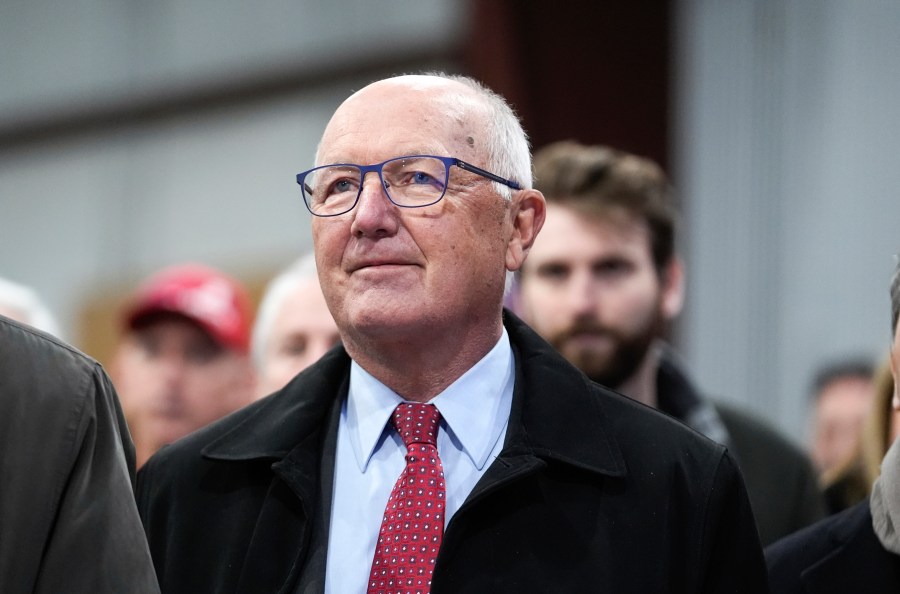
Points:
x=602 y=284
x=445 y=447
x=857 y=550
x=293 y=326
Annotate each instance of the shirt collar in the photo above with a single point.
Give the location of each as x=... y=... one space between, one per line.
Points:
x=475 y=408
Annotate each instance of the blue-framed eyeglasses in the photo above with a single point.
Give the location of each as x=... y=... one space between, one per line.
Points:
x=410 y=182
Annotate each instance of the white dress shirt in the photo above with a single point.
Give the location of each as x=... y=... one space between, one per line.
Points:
x=370 y=456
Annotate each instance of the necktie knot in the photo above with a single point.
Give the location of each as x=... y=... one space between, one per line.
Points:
x=417 y=423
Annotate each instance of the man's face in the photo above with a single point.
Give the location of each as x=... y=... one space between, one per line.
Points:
x=173 y=378
x=302 y=331
x=590 y=288
x=841 y=409
x=390 y=273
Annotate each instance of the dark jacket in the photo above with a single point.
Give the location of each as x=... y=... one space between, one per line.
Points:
x=839 y=555
x=68 y=520
x=592 y=492
x=781 y=481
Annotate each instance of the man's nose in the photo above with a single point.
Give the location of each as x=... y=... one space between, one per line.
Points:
x=582 y=294
x=374 y=214
x=171 y=368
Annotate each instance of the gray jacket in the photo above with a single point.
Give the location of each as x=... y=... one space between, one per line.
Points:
x=68 y=520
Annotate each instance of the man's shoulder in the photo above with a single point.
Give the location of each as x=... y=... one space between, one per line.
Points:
x=25 y=348
x=754 y=437
x=262 y=432
x=193 y=445
x=55 y=376
x=643 y=427
x=840 y=549
x=191 y=473
x=557 y=394
x=812 y=543
x=637 y=440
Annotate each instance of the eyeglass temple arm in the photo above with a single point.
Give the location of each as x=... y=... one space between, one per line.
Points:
x=487 y=174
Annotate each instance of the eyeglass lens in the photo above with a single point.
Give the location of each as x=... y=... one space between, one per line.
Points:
x=408 y=181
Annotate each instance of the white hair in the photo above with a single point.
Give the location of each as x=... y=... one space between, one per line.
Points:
x=277 y=291
x=508 y=149
x=25 y=301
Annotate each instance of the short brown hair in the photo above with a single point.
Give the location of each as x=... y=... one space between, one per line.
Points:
x=600 y=181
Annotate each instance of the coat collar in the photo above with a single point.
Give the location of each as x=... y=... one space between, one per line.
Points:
x=557 y=414
x=557 y=417
x=275 y=426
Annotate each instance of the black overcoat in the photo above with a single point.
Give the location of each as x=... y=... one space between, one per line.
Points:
x=592 y=492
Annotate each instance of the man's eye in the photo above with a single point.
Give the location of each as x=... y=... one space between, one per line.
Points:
x=553 y=272
x=293 y=346
x=420 y=177
x=341 y=186
x=420 y=180
x=149 y=347
x=612 y=268
x=337 y=191
x=203 y=352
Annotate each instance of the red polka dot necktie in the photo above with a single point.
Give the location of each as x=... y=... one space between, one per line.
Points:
x=413 y=522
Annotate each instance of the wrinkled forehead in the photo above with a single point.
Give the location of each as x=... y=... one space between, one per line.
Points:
x=407 y=115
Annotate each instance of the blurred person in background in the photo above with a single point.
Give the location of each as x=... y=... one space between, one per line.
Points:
x=23 y=304
x=183 y=358
x=68 y=519
x=293 y=326
x=850 y=480
x=842 y=396
x=858 y=549
x=602 y=284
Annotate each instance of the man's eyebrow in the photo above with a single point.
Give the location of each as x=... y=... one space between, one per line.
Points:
x=395 y=155
x=550 y=264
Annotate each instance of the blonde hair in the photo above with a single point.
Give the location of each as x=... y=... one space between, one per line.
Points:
x=876 y=436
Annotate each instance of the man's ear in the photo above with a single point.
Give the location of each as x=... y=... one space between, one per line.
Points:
x=527 y=212
x=672 y=288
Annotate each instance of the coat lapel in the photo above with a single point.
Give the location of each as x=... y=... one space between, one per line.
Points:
x=291 y=434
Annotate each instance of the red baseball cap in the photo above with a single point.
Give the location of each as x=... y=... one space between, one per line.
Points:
x=211 y=299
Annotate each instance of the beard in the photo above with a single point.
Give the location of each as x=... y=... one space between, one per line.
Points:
x=608 y=356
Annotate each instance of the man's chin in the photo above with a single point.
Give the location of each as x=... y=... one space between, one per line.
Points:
x=168 y=430
x=597 y=367
x=593 y=358
x=596 y=345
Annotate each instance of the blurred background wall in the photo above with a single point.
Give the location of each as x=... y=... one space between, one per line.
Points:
x=139 y=134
